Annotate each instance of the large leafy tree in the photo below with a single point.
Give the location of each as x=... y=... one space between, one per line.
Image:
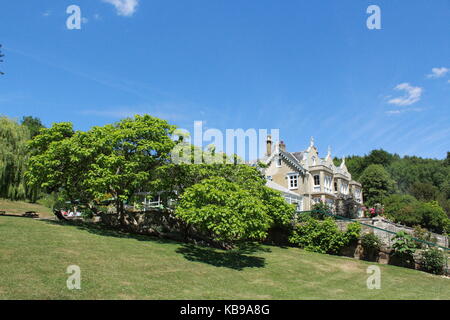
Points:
x=225 y=211
x=61 y=161
x=380 y=156
x=377 y=184
x=174 y=179
x=116 y=159
x=126 y=155
x=33 y=124
x=424 y=191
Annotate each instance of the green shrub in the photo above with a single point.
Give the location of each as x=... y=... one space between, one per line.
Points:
x=225 y=212
x=323 y=236
x=321 y=210
x=433 y=261
x=371 y=245
x=404 y=248
x=370 y=242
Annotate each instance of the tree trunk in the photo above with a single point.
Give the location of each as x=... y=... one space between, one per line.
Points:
x=120 y=212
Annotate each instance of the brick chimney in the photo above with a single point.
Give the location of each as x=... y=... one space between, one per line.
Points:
x=269 y=145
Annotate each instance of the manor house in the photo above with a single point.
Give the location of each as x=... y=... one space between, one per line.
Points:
x=304 y=178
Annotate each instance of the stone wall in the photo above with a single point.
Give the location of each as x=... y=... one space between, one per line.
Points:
x=385 y=255
x=386 y=237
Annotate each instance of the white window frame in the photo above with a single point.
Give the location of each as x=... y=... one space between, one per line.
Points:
x=344 y=187
x=292 y=181
x=328 y=183
x=314 y=179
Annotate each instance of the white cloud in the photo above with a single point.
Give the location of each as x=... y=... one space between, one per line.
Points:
x=400 y=111
x=438 y=72
x=413 y=95
x=47 y=13
x=124 y=7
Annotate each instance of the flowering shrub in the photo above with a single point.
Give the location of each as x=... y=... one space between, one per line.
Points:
x=377 y=210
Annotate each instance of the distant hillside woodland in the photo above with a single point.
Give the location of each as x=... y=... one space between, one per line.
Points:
x=413 y=190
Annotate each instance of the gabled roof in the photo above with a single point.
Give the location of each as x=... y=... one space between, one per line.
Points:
x=298 y=155
x=292 y=160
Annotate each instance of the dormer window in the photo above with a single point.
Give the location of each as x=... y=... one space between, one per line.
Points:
x=313 y=161
x=293 y=181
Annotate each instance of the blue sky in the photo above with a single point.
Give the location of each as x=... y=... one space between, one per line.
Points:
x=308 y=68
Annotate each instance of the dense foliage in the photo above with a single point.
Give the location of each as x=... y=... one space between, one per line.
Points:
x=321 y=210
x=404 y=248
x=117 y=159
x=323 y=236
x=371 y=244
x=377 y=184
x=229 y=212
x=412 y=189
x=33 y=124
x=13 y=161
x=407 y=210
x=433 y=261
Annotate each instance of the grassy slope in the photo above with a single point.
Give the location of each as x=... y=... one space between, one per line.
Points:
x=34 y=256
x=19 y=207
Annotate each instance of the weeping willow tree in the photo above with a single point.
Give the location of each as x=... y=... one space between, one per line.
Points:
x=13 y=160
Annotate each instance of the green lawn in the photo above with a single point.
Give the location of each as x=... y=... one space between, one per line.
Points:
x=34 y=256
x=19 y=208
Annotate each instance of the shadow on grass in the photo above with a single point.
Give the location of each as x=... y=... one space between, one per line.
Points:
x=105 y=231
x=237 y=259
x=234 y=259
